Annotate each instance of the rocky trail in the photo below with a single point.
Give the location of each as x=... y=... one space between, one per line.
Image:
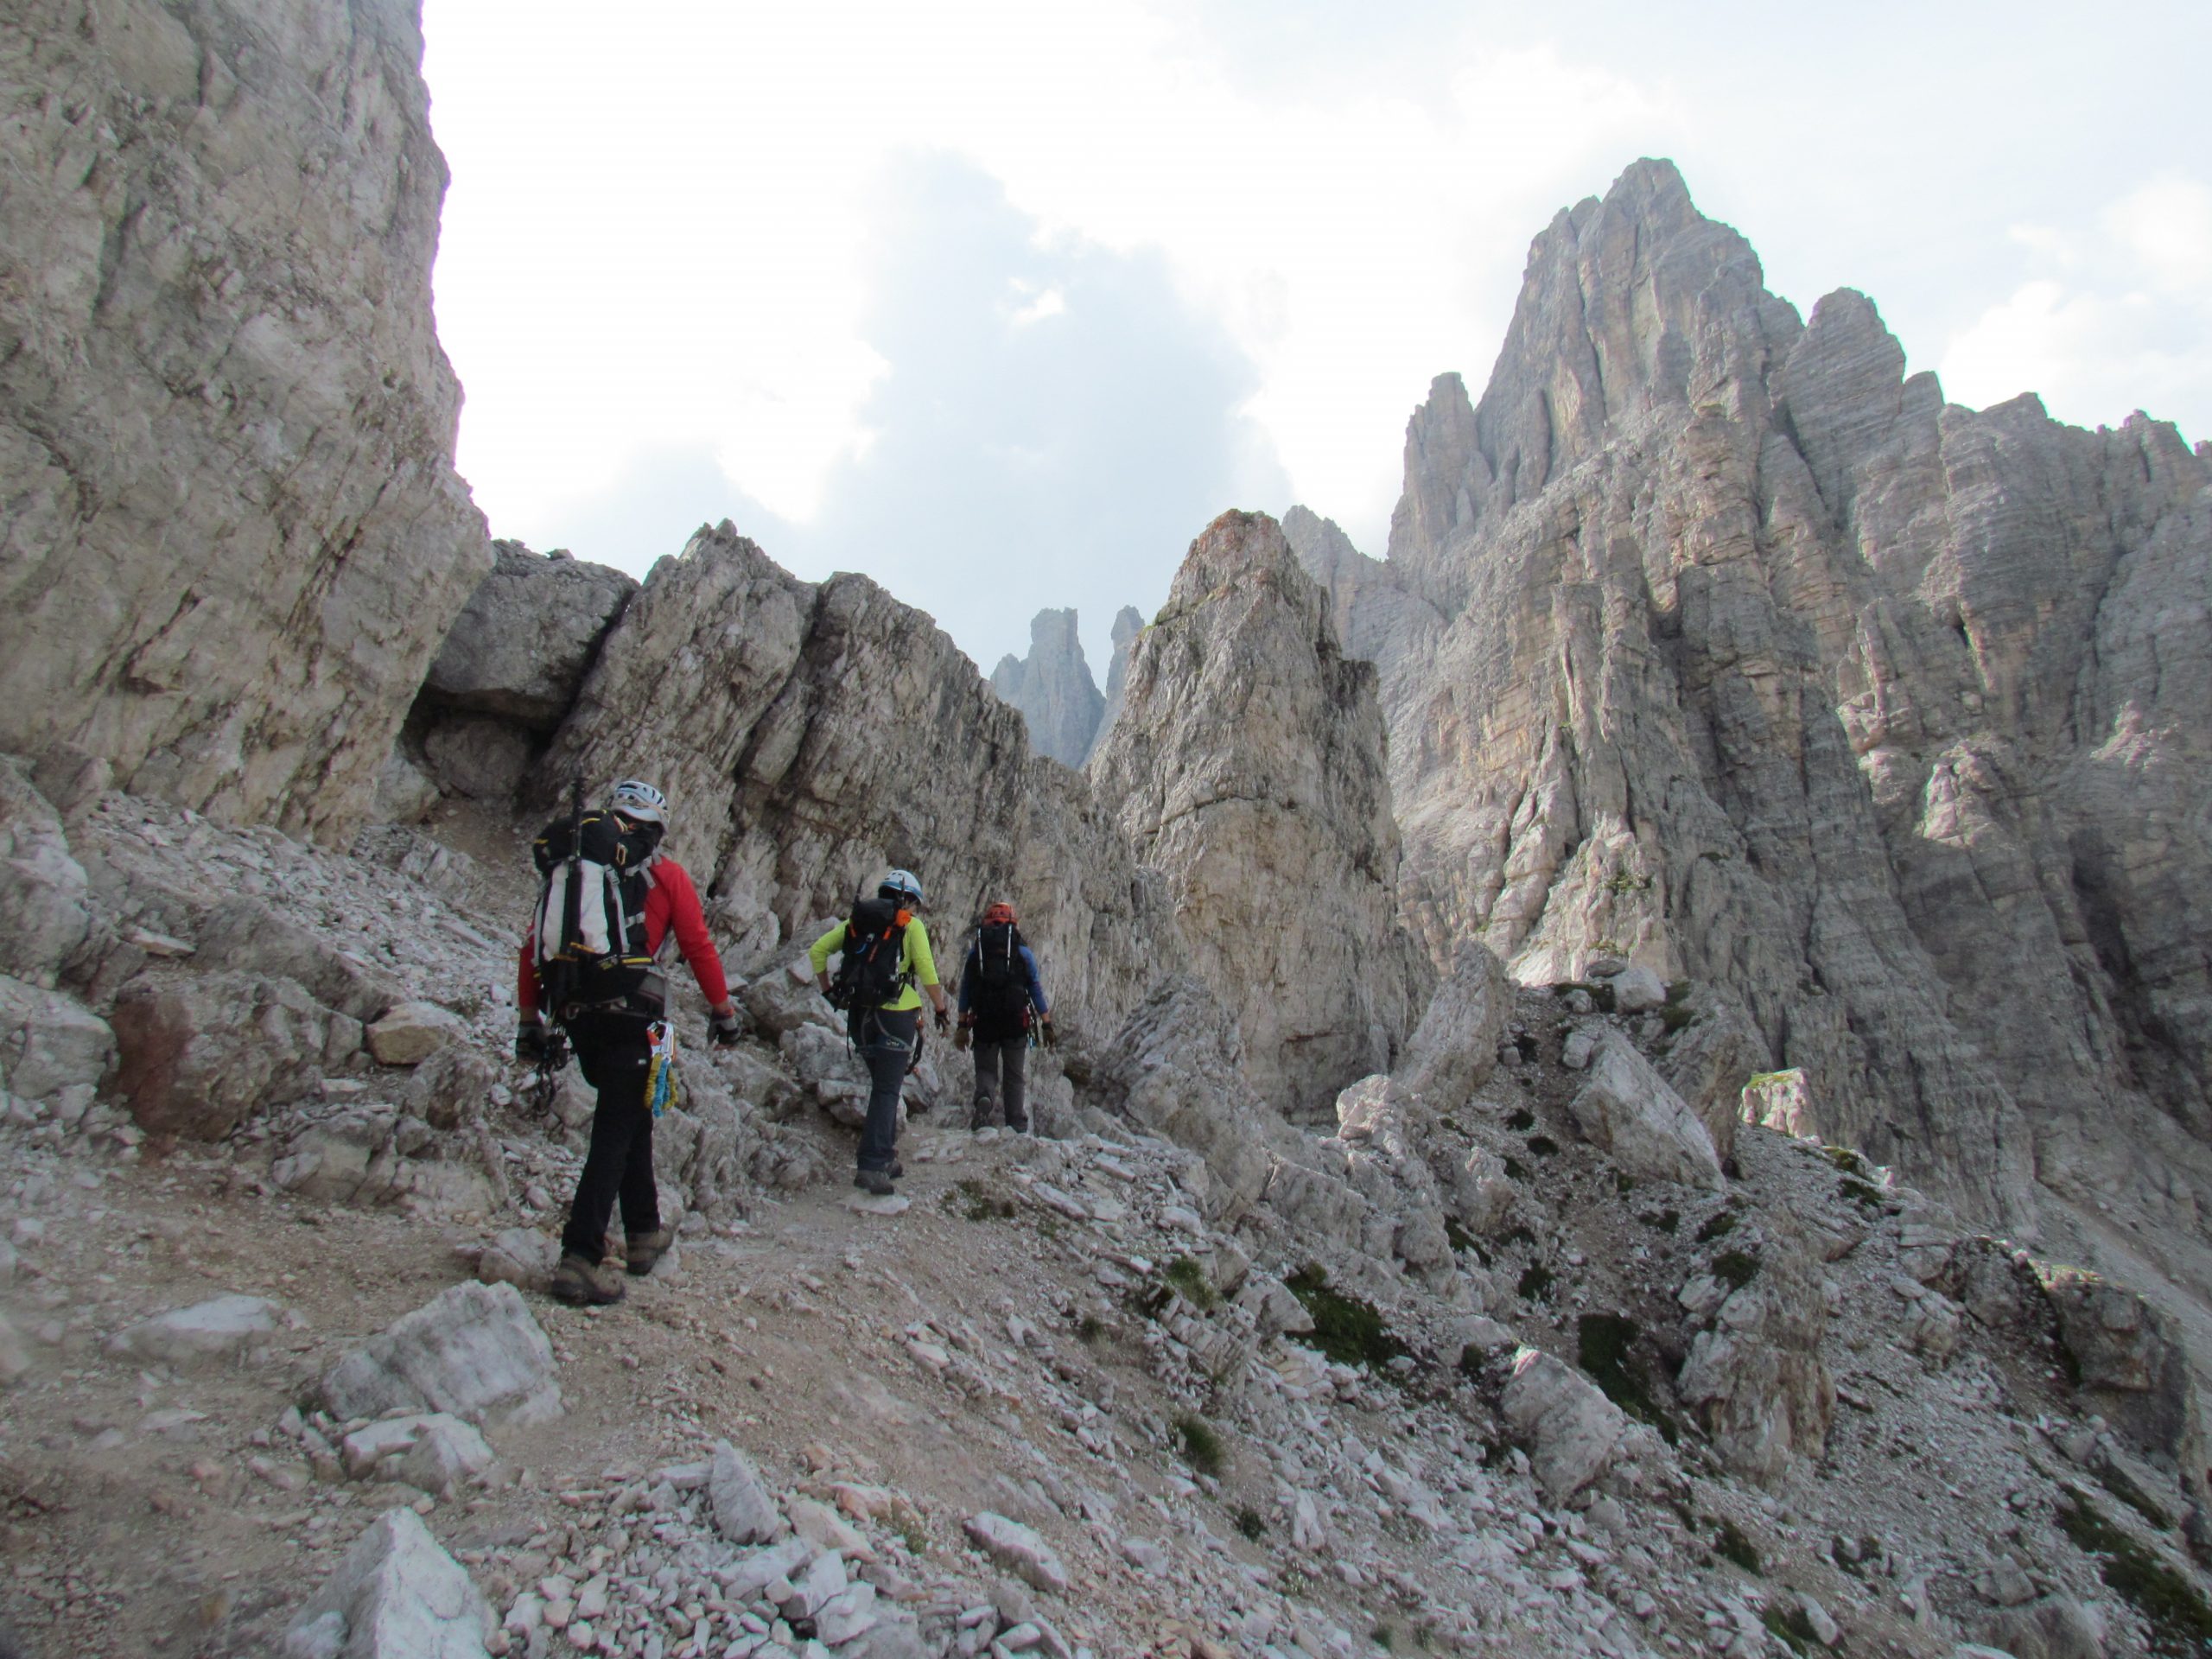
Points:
x=1061 y=1396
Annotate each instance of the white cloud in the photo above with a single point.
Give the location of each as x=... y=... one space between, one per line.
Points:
x=2125 y=324
x=2168 y=224
x=660 y=238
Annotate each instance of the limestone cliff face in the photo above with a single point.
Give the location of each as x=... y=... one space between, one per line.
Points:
x=1129 y=623
x=232 y=537
x=1756 y=662
x=1052 y=688
x=809 y=735
x=1247 y=766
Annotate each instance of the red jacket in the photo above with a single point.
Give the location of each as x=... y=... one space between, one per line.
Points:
x=671 y=901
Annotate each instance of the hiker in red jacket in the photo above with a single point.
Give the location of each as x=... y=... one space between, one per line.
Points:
x=611 y=1035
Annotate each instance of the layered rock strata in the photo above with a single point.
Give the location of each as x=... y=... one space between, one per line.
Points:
x=1247 y=768
x=1052 y=688
x=233 y=536
x=1758 y=662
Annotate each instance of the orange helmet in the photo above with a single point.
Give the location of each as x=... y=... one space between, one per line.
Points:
x=998 y=910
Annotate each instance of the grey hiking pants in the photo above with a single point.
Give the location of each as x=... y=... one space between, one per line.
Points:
x=886 y=1041
x=999 y=1076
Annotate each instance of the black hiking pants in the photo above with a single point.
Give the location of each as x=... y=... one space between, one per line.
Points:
x=1001 y=1069
x=614 y=1051
x=886 y=1040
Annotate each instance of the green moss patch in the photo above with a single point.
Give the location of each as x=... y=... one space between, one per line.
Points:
x=1519 y=1118
x=1199 y=1444
x=1535 y=1283
x=1731 y=1544
x=1735 y=1269
x=1605 y=1345
x=2180 y=1620
x=1793 y=1629
x=1718 y=1226
x=1542 y=1145
x=1346 y=1329
x=1189 y=1278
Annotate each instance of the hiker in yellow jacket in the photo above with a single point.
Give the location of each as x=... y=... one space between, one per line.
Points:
x=886 y=950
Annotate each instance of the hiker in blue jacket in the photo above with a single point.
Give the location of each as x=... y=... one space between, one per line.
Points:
x=1001 y=998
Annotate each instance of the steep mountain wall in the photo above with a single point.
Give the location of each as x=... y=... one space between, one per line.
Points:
x=1760 y=664
x=1247 y=766
x=809 y=735
x=1129 y=623
x=232 y=538
x=1052 y=688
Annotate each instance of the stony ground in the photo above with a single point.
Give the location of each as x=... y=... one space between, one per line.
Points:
x=1051 y=1332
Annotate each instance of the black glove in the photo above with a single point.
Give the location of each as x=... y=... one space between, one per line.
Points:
x=723 y=1029
x=943 y=1020
x=530 y=1046
x=1045 y=1032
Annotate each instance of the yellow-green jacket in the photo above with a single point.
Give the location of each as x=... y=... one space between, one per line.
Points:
x=915 y=960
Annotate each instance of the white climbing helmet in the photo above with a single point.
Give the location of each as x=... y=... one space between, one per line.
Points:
x=634 y=799
x=905 y=884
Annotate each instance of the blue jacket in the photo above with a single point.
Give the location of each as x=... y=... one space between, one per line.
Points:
x=971 y=979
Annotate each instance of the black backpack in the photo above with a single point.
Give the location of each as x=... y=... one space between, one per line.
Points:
x=1002 y=979
x=876 y=936
x=591 y=909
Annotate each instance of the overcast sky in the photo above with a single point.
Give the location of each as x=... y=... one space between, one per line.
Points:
x=1001 y=302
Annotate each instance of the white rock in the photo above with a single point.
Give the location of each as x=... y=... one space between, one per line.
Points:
x=411 y=1033
x=474 y=1350
x=205 y=1334
x=1570 y=1428
x=396 y=1595
x=521 y=1257
x=1637 y=990
x=1627 y=1109
x=1782 y=1101
x=1580 y=1044
x=743 y=1511
x=1018 y=1550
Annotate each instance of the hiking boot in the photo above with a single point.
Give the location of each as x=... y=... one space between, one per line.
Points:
x=646 y=1248
x=875 y=1182
x=1017 y=1126
x=581 y=1284
x=896 y=1170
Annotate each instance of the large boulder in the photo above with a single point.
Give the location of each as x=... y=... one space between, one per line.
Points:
x=527 y=636
x=1754 y=1377
x=2130 y=1359
x=1173 y=1070
x=1627 y=1110
x=409 y=1032
x=1709 y=1062
x=1454 y=1049
x=246 y=936
x=473 y=1350
x=200 y=1056
x=49 y=1041
x=370 y=1154
x=207 y=1333
x=44 y=910
x=1569 y=1428
x=396 y=1595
